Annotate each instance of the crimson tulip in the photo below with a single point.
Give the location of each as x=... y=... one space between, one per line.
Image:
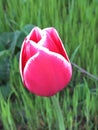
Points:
x=44 y=64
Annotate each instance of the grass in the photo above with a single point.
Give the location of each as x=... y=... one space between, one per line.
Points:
x=75 y=108
x=22 y=110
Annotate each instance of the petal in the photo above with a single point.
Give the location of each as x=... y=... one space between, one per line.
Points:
x=47 y=42
x=53 y=36
x=46 y=73
x=35 y=35
x=27 y=51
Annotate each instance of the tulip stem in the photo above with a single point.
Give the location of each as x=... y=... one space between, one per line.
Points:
x=84 y=71
x=58 y=111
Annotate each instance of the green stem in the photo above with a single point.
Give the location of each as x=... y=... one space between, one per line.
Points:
x=58 y=113
x=84 y=71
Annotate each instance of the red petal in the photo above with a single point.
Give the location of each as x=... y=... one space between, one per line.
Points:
x=47 y=42
x=35 y=35
x=46 y=73
x=27 y=51
x=54 y=36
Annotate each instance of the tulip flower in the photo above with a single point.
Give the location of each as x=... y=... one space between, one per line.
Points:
x=44 y=64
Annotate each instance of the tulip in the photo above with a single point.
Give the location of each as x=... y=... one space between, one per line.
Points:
x=44 y=64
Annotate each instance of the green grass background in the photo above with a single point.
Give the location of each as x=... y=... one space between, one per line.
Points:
x=76 y=107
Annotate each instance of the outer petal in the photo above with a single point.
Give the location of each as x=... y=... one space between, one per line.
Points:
x=46 y=73
x=27 y=51
x=35 y=35
x=53 y=36
x=47 y=42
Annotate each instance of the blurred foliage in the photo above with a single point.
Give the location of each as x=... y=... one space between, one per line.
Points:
x=10 y=44
x=77 y=24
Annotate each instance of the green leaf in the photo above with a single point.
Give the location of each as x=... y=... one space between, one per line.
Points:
x=4 y=66
x=5 y=40
x=14 y=41
x=5 y=90
x=20 y=39
x=28 y=28
x=74 y=53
